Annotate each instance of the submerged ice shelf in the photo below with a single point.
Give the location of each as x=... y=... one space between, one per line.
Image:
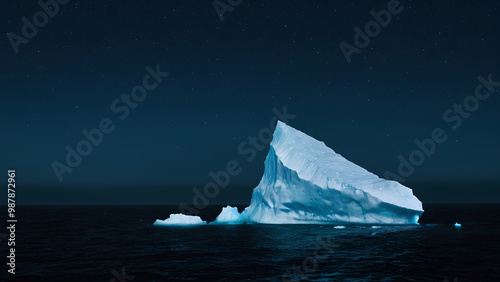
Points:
x=305 y=182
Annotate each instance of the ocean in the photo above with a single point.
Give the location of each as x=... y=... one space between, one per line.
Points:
x=119 y=243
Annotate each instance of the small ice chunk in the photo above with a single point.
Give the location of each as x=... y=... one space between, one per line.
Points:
x=229 y=215
x=339 y=227
x=180 y=219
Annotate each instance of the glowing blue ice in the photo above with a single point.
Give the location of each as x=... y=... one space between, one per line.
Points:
x=180 y=219
x=229 y=215
x=305 y=182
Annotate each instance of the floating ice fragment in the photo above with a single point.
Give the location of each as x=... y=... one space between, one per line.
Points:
x=229 y=215
x=180 y=219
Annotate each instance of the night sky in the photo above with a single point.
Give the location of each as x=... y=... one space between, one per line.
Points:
x=216 y=83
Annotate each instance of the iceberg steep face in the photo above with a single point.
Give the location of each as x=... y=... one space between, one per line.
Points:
x=306 y=182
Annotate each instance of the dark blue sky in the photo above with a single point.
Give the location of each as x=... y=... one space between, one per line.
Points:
x=225 y=78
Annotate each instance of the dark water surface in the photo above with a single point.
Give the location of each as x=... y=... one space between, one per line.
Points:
x=119 y=243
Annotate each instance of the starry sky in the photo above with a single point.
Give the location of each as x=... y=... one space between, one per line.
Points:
x=217 y=78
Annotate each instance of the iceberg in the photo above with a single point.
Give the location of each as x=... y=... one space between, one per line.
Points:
x=180 y=219
x=306 y=182
x=229 y=215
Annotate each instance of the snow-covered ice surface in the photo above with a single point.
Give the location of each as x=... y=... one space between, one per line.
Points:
x=305 y=182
